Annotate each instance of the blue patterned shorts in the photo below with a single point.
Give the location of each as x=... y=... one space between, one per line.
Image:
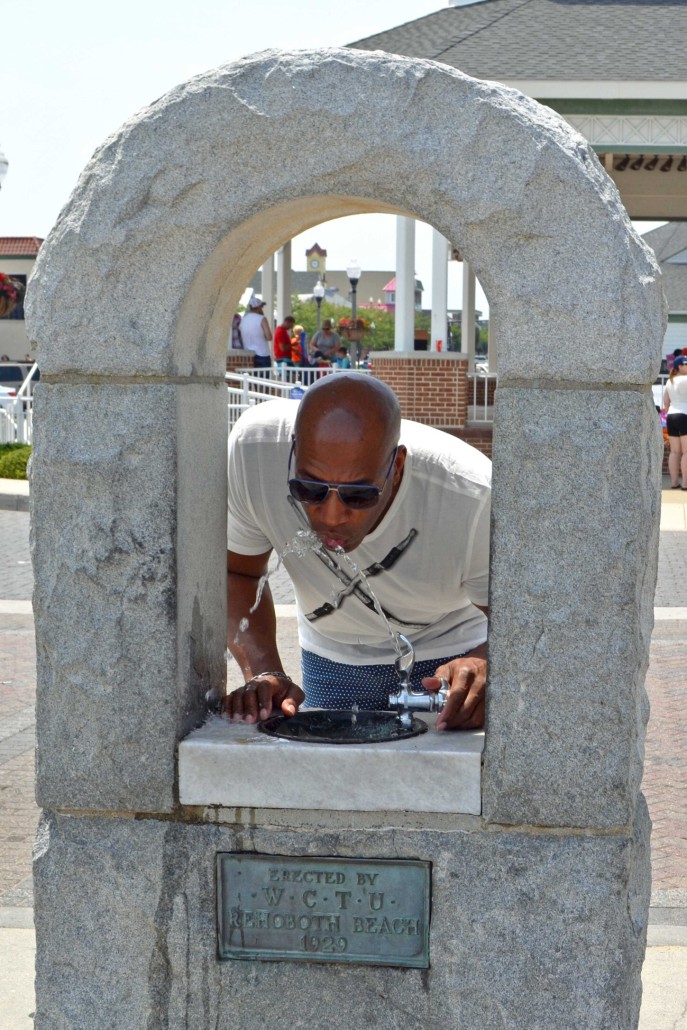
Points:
x=330 y=684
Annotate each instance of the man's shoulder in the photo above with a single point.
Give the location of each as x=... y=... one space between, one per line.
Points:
x=267 y=421
x=440 y=452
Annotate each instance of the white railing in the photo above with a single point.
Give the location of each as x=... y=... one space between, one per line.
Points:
x=16 y=413
x=16 y=420
x=263 y=384
x=481 y=411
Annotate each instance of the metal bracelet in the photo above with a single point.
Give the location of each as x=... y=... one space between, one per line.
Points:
x=263 y=675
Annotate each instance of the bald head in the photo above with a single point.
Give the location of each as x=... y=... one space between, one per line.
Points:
x=347 y=431
x=352 y=406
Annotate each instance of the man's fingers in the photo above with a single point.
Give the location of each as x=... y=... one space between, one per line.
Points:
x=462 y=721
x=265 y=693
x=464 y=708
x=242 y=704
x=256 y=700
x=458 y=712
x=293 y=698
x=250 y=704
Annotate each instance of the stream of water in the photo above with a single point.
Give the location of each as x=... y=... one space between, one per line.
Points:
x=352 y=576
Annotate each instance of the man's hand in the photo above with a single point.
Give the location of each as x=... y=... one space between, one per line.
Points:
x=467 y=676
x=260 y=696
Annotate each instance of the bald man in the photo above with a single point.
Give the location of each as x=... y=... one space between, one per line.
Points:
x=406 y=504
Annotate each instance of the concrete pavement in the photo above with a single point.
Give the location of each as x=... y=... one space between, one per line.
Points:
x=665 y=779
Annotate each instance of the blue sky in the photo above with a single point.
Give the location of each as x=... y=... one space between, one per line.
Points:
x=72 y=72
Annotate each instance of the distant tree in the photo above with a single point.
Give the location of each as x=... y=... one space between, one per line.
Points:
x=481 y=337
x=379 y=337
x=382 y=329
x=382 y=323
x=305 y=313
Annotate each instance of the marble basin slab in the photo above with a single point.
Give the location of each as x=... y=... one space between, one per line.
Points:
x=235 y=766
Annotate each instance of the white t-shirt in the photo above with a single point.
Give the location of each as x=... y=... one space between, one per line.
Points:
x=253 y=335
x=438 y=522
x=677 y=392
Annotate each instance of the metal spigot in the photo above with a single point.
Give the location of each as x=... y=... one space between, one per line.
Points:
x=419 y=701
x=405 y=698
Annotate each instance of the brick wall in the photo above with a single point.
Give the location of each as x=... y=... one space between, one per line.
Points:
x=239 y=360
x=432 y=388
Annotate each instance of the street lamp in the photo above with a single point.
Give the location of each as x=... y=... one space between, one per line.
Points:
x=353 y=273
x=318 y=294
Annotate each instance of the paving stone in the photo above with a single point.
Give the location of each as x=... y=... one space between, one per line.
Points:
x=16 y=576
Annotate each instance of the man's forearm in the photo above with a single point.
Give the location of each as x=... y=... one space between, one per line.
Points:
x=254 y=648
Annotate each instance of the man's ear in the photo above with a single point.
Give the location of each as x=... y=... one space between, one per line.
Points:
x=400 y=459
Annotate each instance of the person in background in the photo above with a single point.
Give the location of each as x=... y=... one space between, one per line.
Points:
x=236 y=341
x=282 y=341
x=342 y=359
x=369 y=486
x=256 y=333
x=326 y=341
x=670 y=358
x=299 y=350
x=675 y=403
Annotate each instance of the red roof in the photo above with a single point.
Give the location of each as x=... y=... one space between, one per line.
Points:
x=20 y=246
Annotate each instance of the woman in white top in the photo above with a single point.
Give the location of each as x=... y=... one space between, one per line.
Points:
x=256 y=333
x=675 y=403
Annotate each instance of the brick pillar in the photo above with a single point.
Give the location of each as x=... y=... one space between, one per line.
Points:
x=432 y=387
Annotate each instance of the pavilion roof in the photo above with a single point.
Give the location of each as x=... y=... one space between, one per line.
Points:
x=625 y=40
x=668 y=240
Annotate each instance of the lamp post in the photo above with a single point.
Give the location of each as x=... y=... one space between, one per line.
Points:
x=353 y=273
x=318 y=294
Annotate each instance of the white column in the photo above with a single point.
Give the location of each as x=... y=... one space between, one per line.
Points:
x=439 y=291
x=467 y=324
x=404 y=335
x=268 y=288
x=284 y=282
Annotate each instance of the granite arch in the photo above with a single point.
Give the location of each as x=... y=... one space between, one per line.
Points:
x=130 y=304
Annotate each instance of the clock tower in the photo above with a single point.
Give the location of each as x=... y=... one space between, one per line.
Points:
x=316 y=259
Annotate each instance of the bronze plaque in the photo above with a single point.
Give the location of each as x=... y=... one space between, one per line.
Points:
x=275 y=907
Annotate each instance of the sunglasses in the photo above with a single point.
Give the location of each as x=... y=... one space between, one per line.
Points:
x=351 y=495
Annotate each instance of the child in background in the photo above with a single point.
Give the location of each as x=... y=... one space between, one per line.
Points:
x=298 y=348
x=342 y=359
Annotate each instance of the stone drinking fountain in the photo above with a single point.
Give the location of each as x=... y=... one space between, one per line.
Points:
x=344 y=726
x=193 y=873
